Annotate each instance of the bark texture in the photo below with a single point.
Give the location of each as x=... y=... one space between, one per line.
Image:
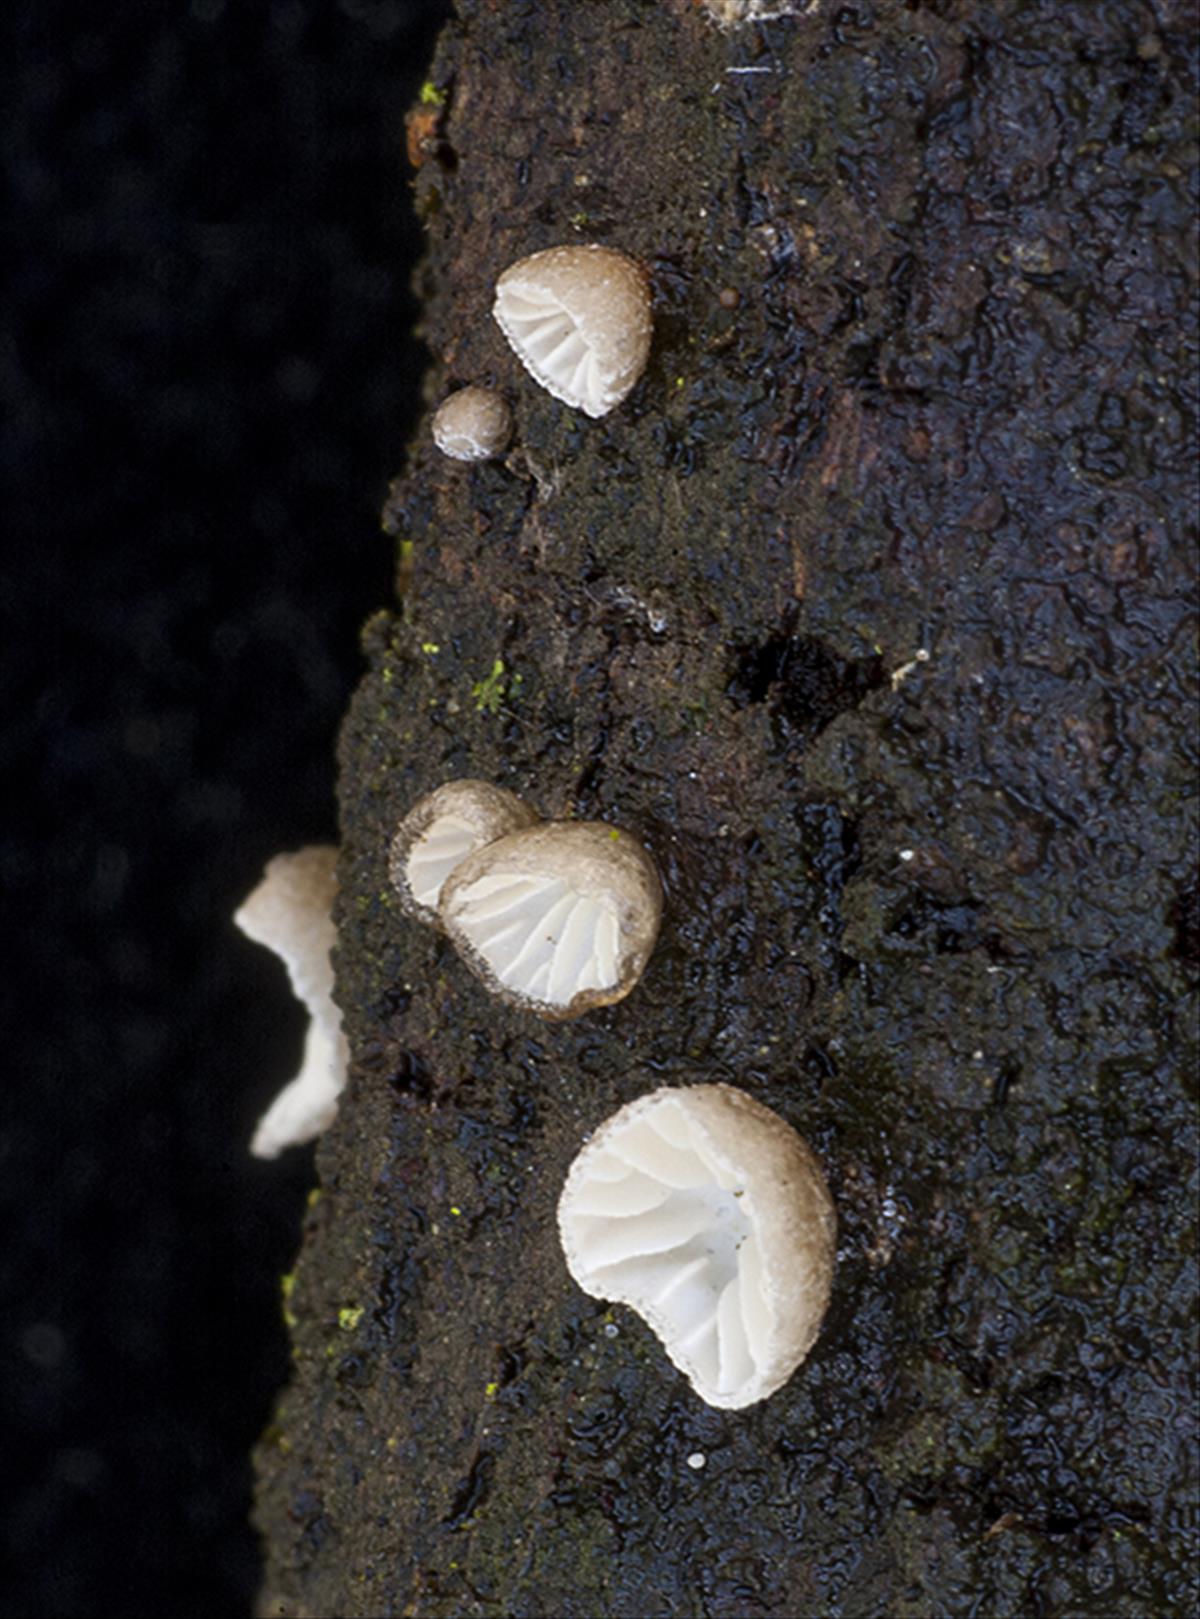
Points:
x=869 y=614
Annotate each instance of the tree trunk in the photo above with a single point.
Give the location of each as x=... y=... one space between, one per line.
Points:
x=867 y=614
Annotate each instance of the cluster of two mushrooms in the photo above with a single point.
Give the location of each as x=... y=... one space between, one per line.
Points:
x=696 y=1206
x=578 y=319
x=554 y=916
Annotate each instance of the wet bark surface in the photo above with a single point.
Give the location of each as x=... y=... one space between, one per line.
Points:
x=870 y=613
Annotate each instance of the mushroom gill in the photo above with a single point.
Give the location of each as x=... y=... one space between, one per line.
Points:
x=559 y=918
x=707 y=1214
x=440 y=831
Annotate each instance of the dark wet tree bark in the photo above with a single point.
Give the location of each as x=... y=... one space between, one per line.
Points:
x=868 y=612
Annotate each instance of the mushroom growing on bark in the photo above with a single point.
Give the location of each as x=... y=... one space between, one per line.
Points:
x=556 y=919
x=578 y=319
x=291 y=912
x=440 y=831
x=707 y=1214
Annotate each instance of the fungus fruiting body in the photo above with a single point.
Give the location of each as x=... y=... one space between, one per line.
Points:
x=578 y=319
x=473 y=424
x=707 y=1214
x=291 y=912
x=440 y=831
x=558 y=918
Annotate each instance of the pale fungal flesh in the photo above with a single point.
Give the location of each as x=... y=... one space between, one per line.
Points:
x=291 y=912
x=707 y=1214
x=473 y=424
x=556 y=919
x=440 y=831
x=578 y=319
x=730 y=13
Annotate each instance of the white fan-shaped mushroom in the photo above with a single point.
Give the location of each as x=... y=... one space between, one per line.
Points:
x=441 y=830
x=578 y=319
x=558 y=918
x=291 y=912
x=708 y=1215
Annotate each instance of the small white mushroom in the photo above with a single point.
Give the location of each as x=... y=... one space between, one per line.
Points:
x=440 y=831
x=556 y=919
x=291 y=912
x=473 y=424
x=578 y=319
x=707 y=1214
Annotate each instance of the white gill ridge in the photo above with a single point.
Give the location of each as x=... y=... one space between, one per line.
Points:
x=553 y=347
x=653 y=1228
x=435 y=855
x=707 y=1214
x=541 y=938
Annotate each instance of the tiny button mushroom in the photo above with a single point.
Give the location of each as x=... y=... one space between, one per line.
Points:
x=706 y=1213
x=556 y=919
x=440 y=831
x=473 y=424
x=578 y=319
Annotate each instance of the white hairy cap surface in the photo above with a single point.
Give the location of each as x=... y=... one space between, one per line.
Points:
x=291 y=912
x=556 y=919
x=440 y=831
x=707 y=1214
x=578 y=319
x=472 y=425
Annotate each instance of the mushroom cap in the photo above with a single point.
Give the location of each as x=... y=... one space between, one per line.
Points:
x=556 y=919
x=578 y=319
x=472 y=424
x=440 y=831
x=291 y=912
x=707 y=1214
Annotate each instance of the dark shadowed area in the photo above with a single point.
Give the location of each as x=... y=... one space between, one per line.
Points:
x=207 y=380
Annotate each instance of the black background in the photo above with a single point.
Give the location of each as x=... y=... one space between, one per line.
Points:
x=208 y=378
